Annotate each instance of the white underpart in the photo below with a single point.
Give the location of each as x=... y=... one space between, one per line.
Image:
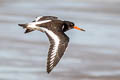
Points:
x=33 y=24
x=38 y=18
x=55 y=47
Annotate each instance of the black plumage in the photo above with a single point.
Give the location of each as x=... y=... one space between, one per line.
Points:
x=54 y=29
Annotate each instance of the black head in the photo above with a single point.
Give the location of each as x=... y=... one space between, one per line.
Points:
x=70 y=25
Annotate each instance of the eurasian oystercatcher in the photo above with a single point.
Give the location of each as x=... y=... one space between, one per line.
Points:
x=54 y=28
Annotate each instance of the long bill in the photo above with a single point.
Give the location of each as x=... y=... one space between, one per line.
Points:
x=75 y=27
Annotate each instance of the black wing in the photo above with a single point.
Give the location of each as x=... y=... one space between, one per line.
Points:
x=55 y=56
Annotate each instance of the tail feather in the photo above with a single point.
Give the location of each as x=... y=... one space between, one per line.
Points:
x=23 y=25
x=28 y=30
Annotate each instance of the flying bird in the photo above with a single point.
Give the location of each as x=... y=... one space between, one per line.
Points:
x=54 y=28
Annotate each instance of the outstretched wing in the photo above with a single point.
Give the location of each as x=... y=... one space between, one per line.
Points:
x=40 y=18
x=58 y=45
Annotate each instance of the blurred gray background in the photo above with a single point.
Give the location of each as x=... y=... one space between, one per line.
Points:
x=91 y=55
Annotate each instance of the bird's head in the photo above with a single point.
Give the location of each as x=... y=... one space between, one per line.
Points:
x=70 y=25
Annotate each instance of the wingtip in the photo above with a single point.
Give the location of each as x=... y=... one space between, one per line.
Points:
x=48 y=71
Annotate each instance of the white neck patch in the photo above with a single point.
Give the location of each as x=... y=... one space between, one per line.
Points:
x=63 y=27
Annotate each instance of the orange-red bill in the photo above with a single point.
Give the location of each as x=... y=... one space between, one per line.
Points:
x=75 y=27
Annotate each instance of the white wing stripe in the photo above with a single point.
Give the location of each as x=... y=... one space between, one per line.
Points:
x=55 y=47
x=33 y=24
x=52 y=59
x=52 y=55
x=41 y=22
